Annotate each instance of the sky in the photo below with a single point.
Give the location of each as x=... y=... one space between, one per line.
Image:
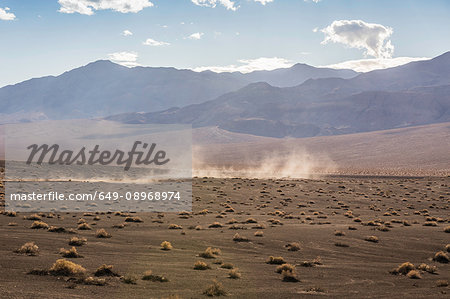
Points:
x=49 y=37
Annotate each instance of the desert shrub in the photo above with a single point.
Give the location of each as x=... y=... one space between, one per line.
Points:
x=84 y=226
x=39 y=225
x=102 y=233
x=56 y=229
x=10 y=213
x=232 y=221
x=340 y=244
x=227 y=266
x=215 y=225
x=76 y=241
x=403 y=268
x=427 y=268
x=441 y=257
x=259 y=234
x=175 y=226
x=289 y=276
x=133 y=219
x=234 y=274
x=12 y=224
x=239 y=238
x=120 y=225
x=447 y=247
x=447 y=229
x=198 y=227
x=372 y=239
x=71 y=253
x=203 y=212
x=357 y=220
x=210 y=253
x=165 y=245
x=129 y=279
x=105 y=270
x=414 y=274
x=28 y=248
x=216 y=289
x=285 y=267
x=235 y=226
x=352 y=228
x=81 y=220
x=276 y=260
x=199 y=265
x=442 y=283
x=93 y=281
x=294 y=246
x=339 y=233
x=406 y=223
x=64 y=267
x=251 y=220
x=148 y=275
x=430 y=223
x=40 y=272
x=32 y=217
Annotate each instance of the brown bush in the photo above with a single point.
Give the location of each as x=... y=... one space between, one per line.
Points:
x=28 y=248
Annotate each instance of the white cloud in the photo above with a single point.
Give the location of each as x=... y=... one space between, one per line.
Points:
x=367 y=65
x=250 y=65
x=6 y=15
x=196 y=36
x=128 y=59
x=127 y=33
x=230 y=5
x=154 y=43
x=374 y=38
x=264 y=2
x=87 y=7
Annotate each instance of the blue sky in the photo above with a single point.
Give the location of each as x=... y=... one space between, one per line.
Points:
x=49 y=37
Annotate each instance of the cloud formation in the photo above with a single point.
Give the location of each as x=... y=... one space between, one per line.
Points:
x=250 y=65
x=127 y=33
x=154 y=43
x=196 y=36
x=264 y=2
x=128 y=59
x=87 y=7
x=374 y=38
x=6 y=15
x=228 y=4
x=367 y=65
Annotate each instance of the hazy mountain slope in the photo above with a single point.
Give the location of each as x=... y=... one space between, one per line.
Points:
x=103 y=88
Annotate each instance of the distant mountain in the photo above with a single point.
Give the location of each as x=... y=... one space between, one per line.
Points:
x=103 y=88
x=413 y=94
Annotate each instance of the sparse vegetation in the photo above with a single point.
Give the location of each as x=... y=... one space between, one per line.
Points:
x=39 y=225
x=129 y=279
x=71 y=253
x=105 y=270
x=28 y=248
x=234 y=274
x=199 y=265
x=64 y=267
x=216 y=289
x=441 y=257
x=102 y=233
x=294 y=246
x=148 y=275
x=403 y=268
x=285 y=267
x=165 y=245
x=239 y=238
x=276 y=260
x=77 y=241
x=133 y=219
x=259 y=234
x=372 y=239
x=84 y=226
x=227 y=266
x=289 y=276
x=210 y=253
x=175 y=226
x=215 y=225
x=414 y=274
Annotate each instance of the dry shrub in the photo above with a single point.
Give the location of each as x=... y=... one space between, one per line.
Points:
x=239 y=238
x=216 y=289
x=56 y=229
x=28 y=248
x=120 y=225
x=234 y=274
x=12 y=224
x=94 y=281
x=198 y=227
x=165 y=245
x=203 y=212
x=372 y=239
x=81 y=220
x=32 y=217
x=259 y=234
x=352 y=228
x=39 y=225
x=414 y=274
x=232 y=221
x=227 y=266
x=76 y=241
x=10 y=213
x=148 y=275
x=339 y=233
x=84 y=226
x=442 y=283
x=102 y=233
x=403 y=268
x=133 y=219
x=285 y=267
x=215 y=225
x=430 y=223
x=105 y=270
x=210 y=253
x=289 y=276
x=447 y=247
x=441 y=257
x=294 y=246
x=64 y=267
x=175 y=226
x=340 y=244
x=71 y=253
x=276 y=260
x=251 y=220
x=447 y=229
x=129 y=279
x=427 y=268
x=199 y=265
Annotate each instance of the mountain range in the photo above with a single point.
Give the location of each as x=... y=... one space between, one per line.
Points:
x=413 y=94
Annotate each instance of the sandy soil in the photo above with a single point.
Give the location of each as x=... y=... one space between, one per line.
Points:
x=308 y=212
